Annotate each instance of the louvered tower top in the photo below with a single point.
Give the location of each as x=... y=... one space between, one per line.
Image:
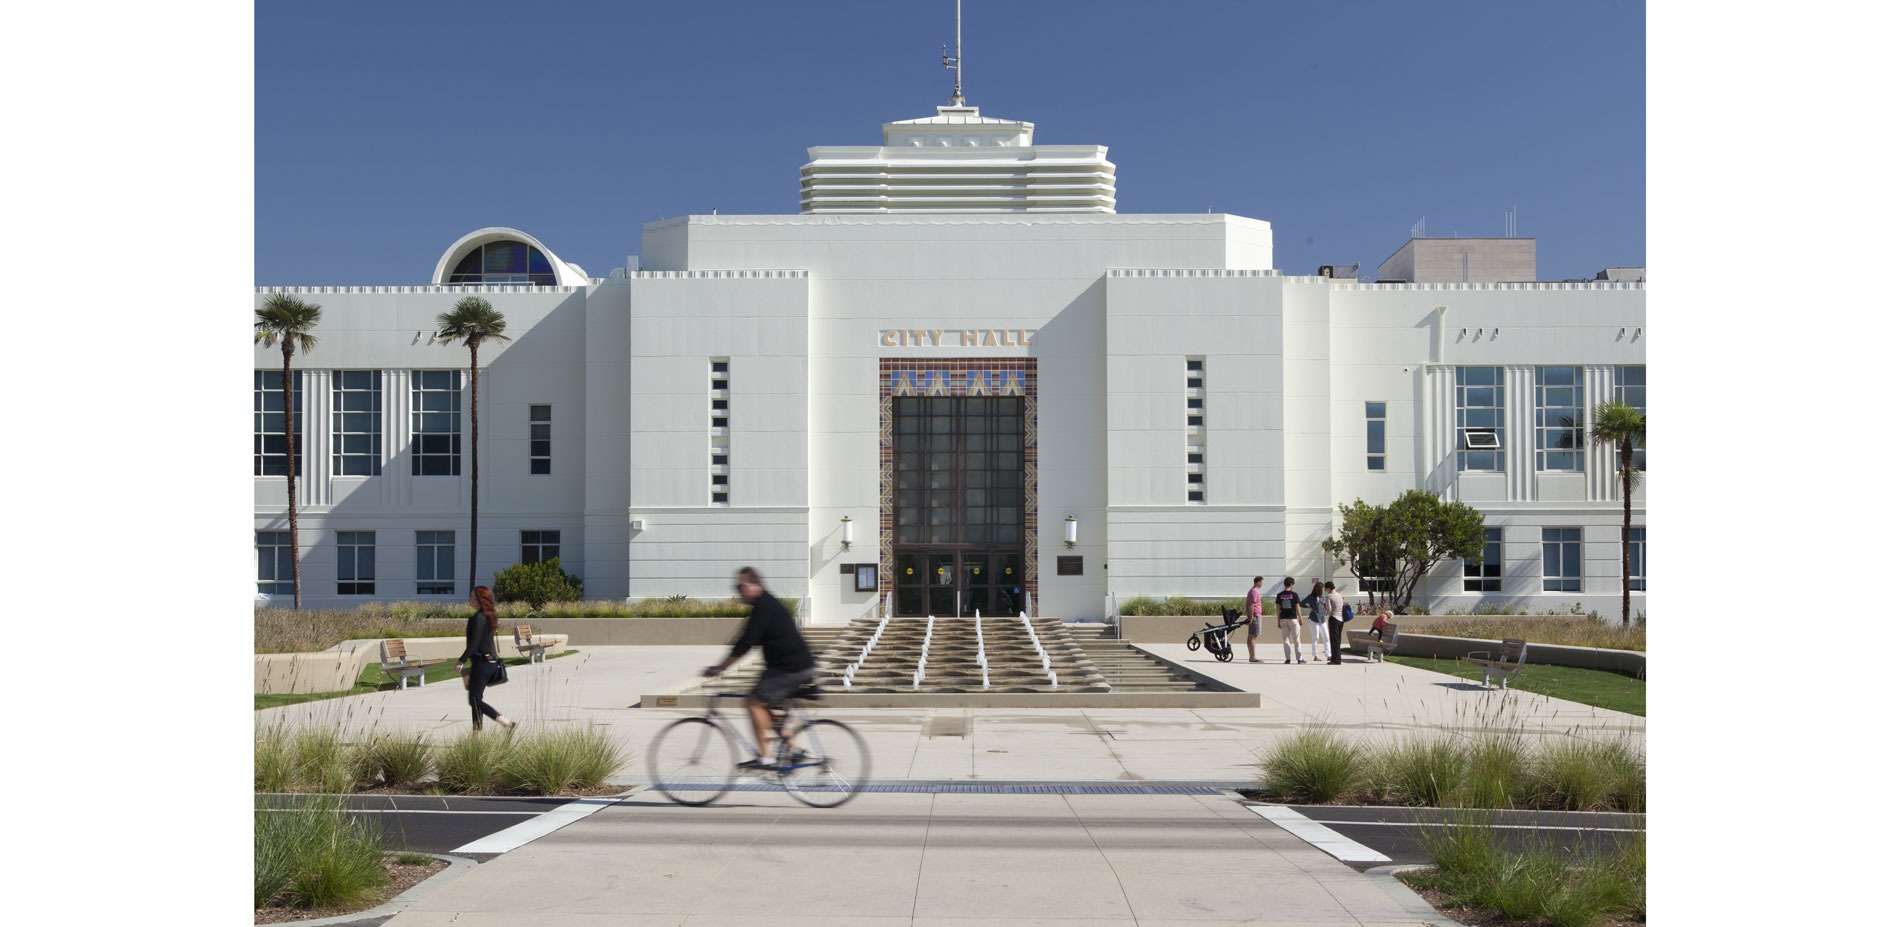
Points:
x=958 y=161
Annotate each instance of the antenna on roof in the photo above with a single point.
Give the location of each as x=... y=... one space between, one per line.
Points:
x=955 y=62
x=1510 y=222
x=1418 y=228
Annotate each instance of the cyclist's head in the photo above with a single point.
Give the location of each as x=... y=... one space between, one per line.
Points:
x=749 y=585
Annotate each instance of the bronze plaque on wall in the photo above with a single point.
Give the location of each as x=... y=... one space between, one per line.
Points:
x=1069 y=566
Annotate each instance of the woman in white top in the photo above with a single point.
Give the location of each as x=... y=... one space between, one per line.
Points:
x=1316 y=606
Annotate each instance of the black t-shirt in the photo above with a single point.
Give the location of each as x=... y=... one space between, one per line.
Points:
x=1288 y=602
x=771 y=629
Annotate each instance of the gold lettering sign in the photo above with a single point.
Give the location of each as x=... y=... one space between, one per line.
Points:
x=967 y=337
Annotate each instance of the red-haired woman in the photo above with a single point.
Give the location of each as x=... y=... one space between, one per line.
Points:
x=480 y=657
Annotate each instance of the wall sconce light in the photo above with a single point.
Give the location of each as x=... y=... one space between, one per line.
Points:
x=846 y=522
x=1068 y=531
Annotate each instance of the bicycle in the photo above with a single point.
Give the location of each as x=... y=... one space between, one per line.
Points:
x=694 y=761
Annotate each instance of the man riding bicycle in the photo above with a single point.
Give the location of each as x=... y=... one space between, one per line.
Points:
x=788 y=662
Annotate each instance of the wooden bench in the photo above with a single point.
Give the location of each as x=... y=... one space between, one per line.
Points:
x=534 y=647
x=396 y=664
x=1377 y=649
x=1509 y=663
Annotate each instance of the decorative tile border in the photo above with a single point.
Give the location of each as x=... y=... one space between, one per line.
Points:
x=953 y=377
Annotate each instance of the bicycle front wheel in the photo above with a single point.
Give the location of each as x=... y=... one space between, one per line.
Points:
x=835 y=767
x=692 y=761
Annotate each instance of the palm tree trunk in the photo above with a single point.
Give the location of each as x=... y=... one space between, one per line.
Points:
x=1629 y=476
x=475 y=464
x=290 y=482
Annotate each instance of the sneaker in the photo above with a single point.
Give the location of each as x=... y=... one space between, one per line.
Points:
x=1302 y=662
x=753 y=765
x=1289 y=662
x=797 y=757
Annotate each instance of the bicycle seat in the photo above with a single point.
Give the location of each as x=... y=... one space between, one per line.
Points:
x=810 y=693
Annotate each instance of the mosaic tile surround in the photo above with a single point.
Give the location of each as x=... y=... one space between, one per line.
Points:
x=953 y=377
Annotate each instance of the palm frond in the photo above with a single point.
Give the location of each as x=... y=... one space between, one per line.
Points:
x=472 y=321
x=286 y=318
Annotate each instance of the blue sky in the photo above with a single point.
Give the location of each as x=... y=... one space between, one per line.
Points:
x=385 y=131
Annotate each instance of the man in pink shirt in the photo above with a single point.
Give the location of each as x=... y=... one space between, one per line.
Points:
x=1253 y=618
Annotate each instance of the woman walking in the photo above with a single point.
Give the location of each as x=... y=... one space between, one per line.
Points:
x=479 y=656
x=1315 y=603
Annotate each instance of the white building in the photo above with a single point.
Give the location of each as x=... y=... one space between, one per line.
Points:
x=958 y=347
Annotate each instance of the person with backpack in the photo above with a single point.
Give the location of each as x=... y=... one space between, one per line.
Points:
x=1337 y=614
x=1315 y=603
x=1288 y=604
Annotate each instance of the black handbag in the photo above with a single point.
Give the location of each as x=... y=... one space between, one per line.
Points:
x=498 y=674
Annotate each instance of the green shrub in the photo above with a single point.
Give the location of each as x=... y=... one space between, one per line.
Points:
x=1179 y=606
x=1315 y=765
x=547 y=762
x=394 y=759
x=1495 y=771
x=537 y=584
x=308 y=850
x=473 y=761
x=1423 y=771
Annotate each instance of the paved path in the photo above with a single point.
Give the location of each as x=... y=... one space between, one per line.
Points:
x=1378 y=701
x=908 y=859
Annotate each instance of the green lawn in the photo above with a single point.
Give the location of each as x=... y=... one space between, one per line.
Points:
x=374 y=679
x=1601 y=688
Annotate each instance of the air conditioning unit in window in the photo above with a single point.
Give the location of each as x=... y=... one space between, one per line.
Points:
x=1481 y=441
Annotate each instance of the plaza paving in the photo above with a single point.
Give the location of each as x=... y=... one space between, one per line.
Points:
x=759 y=858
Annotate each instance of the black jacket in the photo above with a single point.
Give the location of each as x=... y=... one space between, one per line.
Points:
x=770 y=628
x=481 y=640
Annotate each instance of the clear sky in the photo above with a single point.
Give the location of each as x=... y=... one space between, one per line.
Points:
x=387 y=130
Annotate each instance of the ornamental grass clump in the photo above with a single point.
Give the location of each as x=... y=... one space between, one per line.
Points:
x=1422 y=771
x=321 y=762
x=1536 y=881
x=547 y=762
x=474 y=761
x=271 y=767
x=1588 y=775
x=307 y=852
x=1316 y=765
x=394 y=759
x=1496 y=769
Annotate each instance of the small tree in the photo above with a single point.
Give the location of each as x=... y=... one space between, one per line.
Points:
x=537 y=584
x=1407 y=539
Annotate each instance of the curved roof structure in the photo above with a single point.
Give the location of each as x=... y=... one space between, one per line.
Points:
x=565 y=274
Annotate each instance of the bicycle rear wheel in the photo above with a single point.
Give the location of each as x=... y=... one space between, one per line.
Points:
x=836 y=765
x=692 y=760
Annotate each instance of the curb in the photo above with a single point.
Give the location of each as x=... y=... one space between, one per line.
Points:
x=1386 y=877
x=417 y=892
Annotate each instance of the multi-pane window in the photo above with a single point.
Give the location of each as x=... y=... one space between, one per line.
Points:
x=1639 y=559
x=1197 y=429
x=1632 y=389
x=541 y=439
x=435 y=563
x=537 y=546
x=1375 y=436
x=1487 y=575
x=435 y=416
x=356 y=422
x=267 y=422
x=1560 y=418
x=721 y=392
x=273 y=563
x=1481 y=418
x=1563 y=559
x=512 y=262
x=959 y=469
x=356 y=563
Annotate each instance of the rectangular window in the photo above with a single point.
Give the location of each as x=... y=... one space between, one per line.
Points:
x=356 y=563
x=435 y=417
x=1563 y=559
x=540 y=440
x=1632 y=389
x=1487 y=575
x=1639 y=558
x=1481 y=418
x=267 y=422
x=1375 y=436
x=356 y=422
x=435 y=563
x=537 y=546
x=1560 y=418
x=273 y=563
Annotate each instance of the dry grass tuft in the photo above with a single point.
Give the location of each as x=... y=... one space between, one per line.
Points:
x=1573 y=631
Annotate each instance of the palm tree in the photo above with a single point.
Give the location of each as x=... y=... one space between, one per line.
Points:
x=1623 y=427
x=473 y=321
x=286 y=320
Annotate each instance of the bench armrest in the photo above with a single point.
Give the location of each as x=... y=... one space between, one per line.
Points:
x=1475 y=655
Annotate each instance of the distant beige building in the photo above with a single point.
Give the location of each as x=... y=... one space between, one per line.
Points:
x=1462 y=260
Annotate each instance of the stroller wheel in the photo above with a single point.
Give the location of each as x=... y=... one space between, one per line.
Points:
x=1194 y=642
x=1227 y=657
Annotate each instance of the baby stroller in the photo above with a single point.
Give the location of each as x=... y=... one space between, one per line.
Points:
x=1216 y=637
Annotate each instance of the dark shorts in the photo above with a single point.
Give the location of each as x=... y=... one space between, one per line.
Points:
x=777 y=685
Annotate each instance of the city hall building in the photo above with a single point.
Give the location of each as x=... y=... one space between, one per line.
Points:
x=956 y=380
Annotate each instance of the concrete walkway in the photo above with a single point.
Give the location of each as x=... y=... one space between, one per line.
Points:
x=883 y=860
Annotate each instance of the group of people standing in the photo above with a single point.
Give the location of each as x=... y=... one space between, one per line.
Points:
x=1325 y=610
